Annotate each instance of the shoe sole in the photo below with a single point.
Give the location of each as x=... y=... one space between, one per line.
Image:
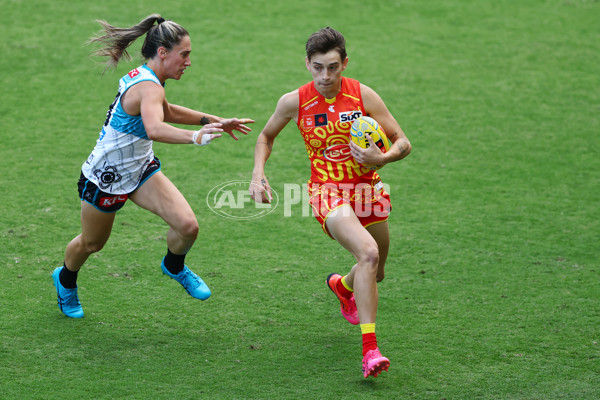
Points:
x=378 y=368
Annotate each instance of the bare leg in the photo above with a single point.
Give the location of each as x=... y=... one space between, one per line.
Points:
x=381 y=234
x=160 y=196
x=96 y=227
x=345 y=227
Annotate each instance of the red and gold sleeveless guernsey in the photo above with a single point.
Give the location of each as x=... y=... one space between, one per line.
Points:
x=336 y=178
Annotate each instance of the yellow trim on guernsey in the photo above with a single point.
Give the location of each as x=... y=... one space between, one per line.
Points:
x=305 y=104
x=352 y=97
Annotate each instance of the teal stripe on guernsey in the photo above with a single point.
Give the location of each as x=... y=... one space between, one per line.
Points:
x=123 y=122
x=131 y=124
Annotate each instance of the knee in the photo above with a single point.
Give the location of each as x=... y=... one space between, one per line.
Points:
x=92 y=246
x=369 y=258
x=188 y=228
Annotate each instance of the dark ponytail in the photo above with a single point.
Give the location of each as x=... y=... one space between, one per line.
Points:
x=116 y=40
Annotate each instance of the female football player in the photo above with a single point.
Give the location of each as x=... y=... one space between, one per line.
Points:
x=122 y=165
x=346 y=195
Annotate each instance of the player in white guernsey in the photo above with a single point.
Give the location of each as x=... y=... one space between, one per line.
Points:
x=123 y=150
x=122 y=165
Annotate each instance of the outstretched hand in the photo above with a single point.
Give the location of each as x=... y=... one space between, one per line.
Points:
x=235 y=124
x=208 y=132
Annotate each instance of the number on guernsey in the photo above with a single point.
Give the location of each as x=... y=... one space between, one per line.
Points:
x=111 y=108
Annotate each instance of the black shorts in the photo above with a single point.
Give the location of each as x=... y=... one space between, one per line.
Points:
x=106 y=202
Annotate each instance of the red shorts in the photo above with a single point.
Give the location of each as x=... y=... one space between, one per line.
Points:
x=371 y=204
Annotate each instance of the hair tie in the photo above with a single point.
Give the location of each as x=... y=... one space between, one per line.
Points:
x=160 y=20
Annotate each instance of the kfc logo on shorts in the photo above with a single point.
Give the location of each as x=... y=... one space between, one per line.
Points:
x=134 y=73
x=111 y=201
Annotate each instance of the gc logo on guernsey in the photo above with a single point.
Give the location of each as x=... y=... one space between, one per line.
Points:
x=337 y=153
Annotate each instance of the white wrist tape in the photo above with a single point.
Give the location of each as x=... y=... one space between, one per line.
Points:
x=204 y=140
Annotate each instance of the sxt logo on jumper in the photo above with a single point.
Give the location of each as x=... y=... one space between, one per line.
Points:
x=232 y=200
x=134 y=73
x=349 y=116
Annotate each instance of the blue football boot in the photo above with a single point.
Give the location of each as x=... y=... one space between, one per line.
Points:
x=68 y=301
x=191 y=282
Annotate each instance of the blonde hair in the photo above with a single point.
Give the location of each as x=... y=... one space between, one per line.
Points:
x=116 y=40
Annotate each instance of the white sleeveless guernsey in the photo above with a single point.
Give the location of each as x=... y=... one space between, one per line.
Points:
x=123 y=150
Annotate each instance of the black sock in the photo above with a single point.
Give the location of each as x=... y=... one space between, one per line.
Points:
x=174 y=262
x=68 y=278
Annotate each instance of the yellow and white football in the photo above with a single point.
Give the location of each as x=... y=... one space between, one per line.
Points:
x=364 y=126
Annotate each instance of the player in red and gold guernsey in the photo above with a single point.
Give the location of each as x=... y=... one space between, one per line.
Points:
x=347 y=196
x=337 y=179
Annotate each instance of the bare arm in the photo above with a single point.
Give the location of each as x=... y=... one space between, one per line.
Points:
x=287 y=108
x=147 y=99
x=400 y=146
x=176 y=114
x=182 y=115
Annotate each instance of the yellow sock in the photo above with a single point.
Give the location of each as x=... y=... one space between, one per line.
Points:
x=346 y=285
x=367 y=328
x=368 y=337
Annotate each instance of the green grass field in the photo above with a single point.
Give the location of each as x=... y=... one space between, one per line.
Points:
x=492 y=287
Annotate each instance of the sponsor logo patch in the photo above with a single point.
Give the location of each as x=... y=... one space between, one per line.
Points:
x=320 y=119
x=311 y=105
x=337 y=153
x=309 y=121
x=111 y=201
x=349 y=116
